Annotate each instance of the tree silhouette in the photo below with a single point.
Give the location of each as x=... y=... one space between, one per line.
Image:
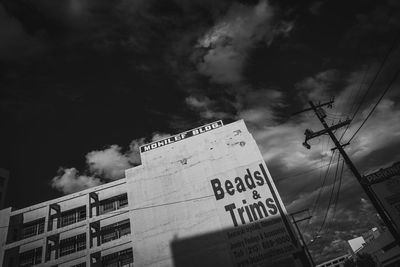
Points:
x=365 y=260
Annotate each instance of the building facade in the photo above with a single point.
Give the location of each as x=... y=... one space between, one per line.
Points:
x=203 y=197
x=89 y=228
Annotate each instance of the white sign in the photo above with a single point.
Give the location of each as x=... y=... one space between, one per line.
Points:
x=181 y=136
x=260 y=232
x=208 y=200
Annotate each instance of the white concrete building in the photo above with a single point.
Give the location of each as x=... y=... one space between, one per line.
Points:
x=203 y=197
x=88 y=228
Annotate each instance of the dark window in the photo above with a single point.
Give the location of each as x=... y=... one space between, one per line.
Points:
x=73 y=216
x=72 y=244
x=32 y=228
x=115 y=231
x=113 y=203
x=2 y=181
x=30 y=257
x=82 y=264
x=122 y=258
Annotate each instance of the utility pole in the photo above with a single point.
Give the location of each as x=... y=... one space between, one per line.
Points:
x=301 y=235
x=328 y=130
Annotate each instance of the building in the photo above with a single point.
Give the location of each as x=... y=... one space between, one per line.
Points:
x=4 y=177
x=379 y=244
x=80 y=229
x=355 y=244
x=336 y=262
x=383 y=249
x=203 y=197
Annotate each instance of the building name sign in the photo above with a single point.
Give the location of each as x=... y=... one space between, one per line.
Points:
x=383 y=174
x=181 y=136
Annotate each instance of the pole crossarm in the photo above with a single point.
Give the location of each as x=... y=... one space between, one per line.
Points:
x=310 y=134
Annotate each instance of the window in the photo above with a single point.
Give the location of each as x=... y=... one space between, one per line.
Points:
x=30 y=257
x=72 y=244
x=115 y=231
x=32 y=228
x=82 y=264
x=73 y=216
x=113 y=203
x=122 y=258
x=2 y=181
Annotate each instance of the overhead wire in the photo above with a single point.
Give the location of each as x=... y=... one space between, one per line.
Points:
x=338 y=191
x=389 y=86
x=330 y=198
x=323 y=184
x=354 y=102
x=393 y=45
x=383 y=62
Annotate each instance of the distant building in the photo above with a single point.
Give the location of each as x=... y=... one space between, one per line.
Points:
x=371 y=235
x=380 y=245
x=383 y=249
x=336 y=262
x=200 y=198
x=4 y=177
x=356 y=244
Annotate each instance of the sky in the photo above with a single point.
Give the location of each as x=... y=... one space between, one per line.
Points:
x=84 y=83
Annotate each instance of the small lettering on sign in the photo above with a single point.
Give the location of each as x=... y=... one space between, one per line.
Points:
x=181 y=136
x=383 y=174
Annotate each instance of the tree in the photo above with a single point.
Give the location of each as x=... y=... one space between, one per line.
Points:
x=349 y=263
x=365 y=260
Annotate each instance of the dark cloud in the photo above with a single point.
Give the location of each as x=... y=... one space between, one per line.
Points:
x=81 y=79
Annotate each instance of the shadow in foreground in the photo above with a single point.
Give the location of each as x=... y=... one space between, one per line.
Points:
x=263 y=243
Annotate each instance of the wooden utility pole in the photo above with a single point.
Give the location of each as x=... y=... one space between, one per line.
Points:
x=328 y=130
x=301 y=235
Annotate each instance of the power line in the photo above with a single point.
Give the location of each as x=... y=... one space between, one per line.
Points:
x=323 y=185
x=330 y=197
x=355 y=97
x=371 y=84
x=376 y=75
x=338 y=191
x=377 y=103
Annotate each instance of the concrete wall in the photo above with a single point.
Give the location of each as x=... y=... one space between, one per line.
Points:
x=178 y=220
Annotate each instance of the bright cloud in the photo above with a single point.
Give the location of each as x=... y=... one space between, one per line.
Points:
x=109 y=163
x=70 y=181
x=101 y=166
x=229 y=41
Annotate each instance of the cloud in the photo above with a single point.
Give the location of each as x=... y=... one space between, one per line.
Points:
x=207 y=108
x=70 y=181
x=102 y=166
x=109 y=163
x=322 y=84
x=280 y=144
x=226 y=45
x=258 y=107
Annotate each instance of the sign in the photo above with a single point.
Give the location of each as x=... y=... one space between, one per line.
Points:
x=259 y=231
x=181 y=136
x=383 y=174
x=388 y=193
x=208 y=201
